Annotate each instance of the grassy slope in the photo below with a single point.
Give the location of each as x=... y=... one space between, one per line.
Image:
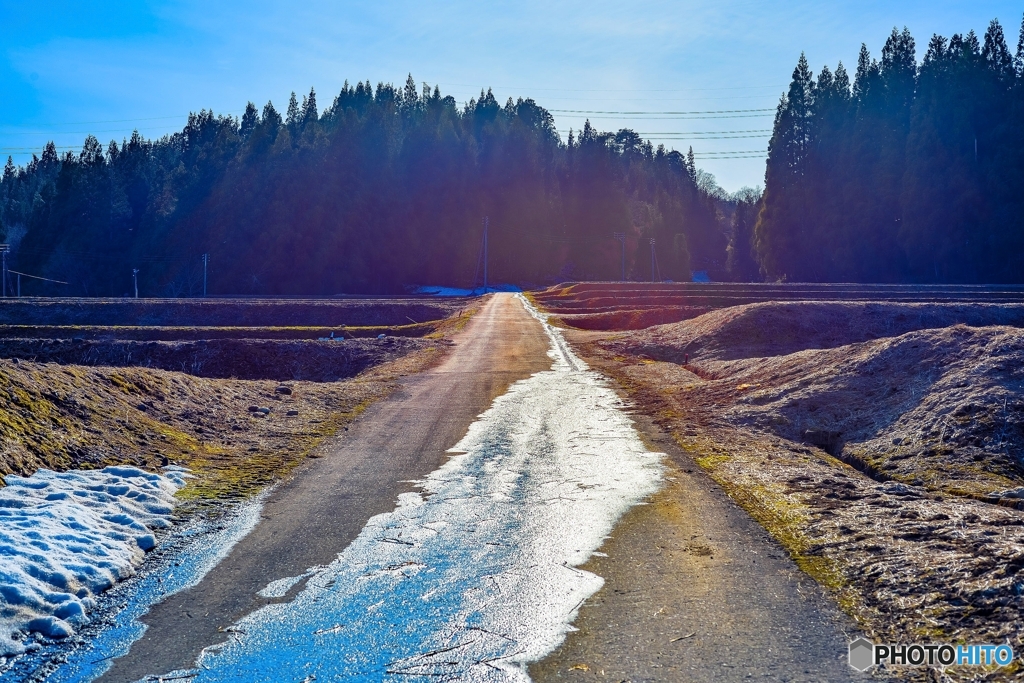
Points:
x=68 y=416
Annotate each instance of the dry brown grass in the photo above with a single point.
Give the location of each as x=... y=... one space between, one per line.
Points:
x=72 y=416
x=910 y=540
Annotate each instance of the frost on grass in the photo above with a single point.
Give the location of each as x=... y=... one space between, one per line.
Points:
x=64 y=537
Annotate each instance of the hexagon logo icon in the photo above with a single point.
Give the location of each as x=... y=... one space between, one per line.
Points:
x=862 y=654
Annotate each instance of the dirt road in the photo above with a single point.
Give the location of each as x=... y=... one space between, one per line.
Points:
x=312 y=517
x=694 y=588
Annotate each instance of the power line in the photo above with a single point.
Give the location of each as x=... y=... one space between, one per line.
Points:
x=462 y=85
x=36 y=277
x=722 y=158
x=690 y=137
x=509 y=87
x=681 y=118
x=698 y=132
x=544 y=99
x=744 y=151
x=664 y=135
x=672 y=113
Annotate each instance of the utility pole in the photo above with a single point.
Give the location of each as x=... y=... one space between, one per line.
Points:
x=487 y=221
x=206 y=258
x=652 y=261
x=621 y=237
x=4 y=249
x=135 y=280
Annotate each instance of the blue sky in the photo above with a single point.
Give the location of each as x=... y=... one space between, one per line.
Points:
x=70 y=68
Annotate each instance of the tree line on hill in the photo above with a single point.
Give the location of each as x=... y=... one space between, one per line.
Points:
x=911 y=172
x=906 y=172
x=385 y=188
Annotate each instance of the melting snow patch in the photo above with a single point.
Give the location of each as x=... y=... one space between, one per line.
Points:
x=64 y=537
x=476 y=576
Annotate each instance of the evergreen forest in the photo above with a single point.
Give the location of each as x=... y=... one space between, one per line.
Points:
x=906 y=171
x=911 y=172
x=385 y=188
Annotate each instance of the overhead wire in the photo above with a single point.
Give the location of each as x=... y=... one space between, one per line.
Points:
x=671 y=113
x=597 y=114
x=678 y=118
x=697 y=132
x=508 y=87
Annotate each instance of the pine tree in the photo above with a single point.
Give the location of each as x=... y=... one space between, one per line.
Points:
x=249 y=120
x=310 y=113
x=292 y=116
x=1018 y=58
x=782 y=236
x=410 y=96
x=996 y=53
x=50 y=157
x=271 y=118
x=867 y=69
x=92 y=152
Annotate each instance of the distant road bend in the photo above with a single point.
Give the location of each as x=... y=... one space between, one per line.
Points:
x=545 y=461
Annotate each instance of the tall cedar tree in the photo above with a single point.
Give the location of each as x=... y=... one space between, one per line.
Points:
x=914 y=173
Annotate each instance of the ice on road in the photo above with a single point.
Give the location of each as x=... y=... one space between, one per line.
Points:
x=474 y=576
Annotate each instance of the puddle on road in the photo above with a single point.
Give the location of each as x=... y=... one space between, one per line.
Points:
x=475 y=576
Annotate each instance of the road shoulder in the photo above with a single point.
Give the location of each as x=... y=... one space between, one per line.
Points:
x=696 y=590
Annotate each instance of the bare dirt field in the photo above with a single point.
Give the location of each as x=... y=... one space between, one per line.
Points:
x=880 y=443
x=240 y=410
x=276 y=359
x=221 y=312
x=633 y=306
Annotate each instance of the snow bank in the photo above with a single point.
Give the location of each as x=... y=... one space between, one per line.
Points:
x=64 y=537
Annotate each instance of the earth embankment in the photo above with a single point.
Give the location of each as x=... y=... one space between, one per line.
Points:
x=222 y=312
x=254 y=359
x=240 y=410
x=878 y=441
x=633 y=306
